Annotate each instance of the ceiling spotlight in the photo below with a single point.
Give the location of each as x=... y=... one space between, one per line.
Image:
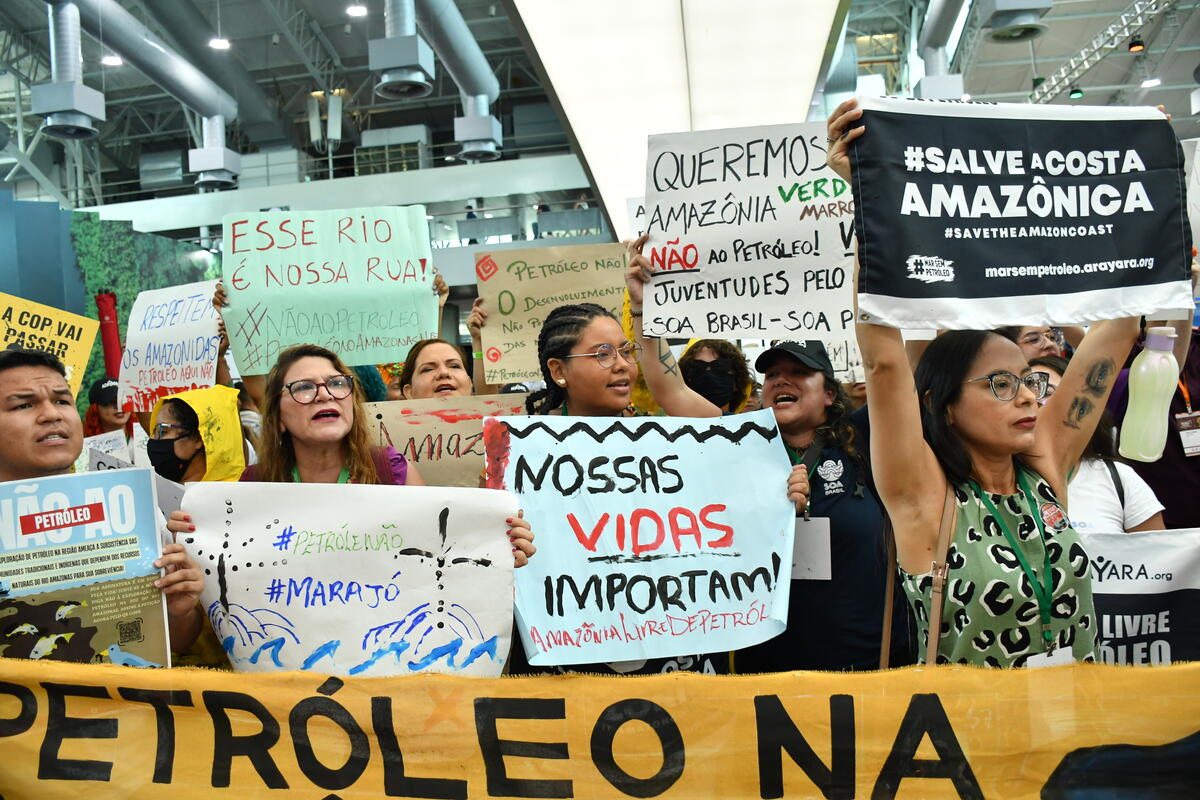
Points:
x=1075 y=92
x=1150 y=83
x=356 y=10
x=218 y=43
x=449 y=158
x=111 y=60
x=1136 y=45
x=275 y=38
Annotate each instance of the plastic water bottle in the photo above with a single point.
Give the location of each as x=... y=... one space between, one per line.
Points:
x=1152 y=381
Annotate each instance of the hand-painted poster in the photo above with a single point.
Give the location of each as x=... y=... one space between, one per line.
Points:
x=974 y=215
x=355 y=579
x=753 y=233
x=653 y=539
x=1147 y=592
x=34 y=326
x=171 y=344
x=77 y=570
x=442 y=436
x=357 y=281
x=521 y=287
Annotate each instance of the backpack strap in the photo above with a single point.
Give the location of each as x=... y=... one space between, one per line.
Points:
x=1116 y=479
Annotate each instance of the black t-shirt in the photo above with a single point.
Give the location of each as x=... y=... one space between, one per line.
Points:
x=837 y=624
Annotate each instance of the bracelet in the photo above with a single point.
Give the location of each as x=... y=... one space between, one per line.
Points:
x=635 y=313
x=477 y=356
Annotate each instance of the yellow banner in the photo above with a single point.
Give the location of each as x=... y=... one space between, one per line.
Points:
x=102 y=731
x=38 y=327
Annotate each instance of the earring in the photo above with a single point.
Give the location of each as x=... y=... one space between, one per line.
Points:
x=562 y=381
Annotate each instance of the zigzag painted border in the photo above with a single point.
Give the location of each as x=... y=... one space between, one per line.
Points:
x=643 y=428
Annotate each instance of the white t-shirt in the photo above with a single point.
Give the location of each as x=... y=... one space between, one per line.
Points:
x=1093 y=502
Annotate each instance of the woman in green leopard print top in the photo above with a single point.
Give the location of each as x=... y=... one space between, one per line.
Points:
x=1018 y=592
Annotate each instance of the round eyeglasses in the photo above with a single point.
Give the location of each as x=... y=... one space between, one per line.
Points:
x=1035 y=338
x=161 y=429
x=606 y=354
x=1005 y=385
x=305 y=391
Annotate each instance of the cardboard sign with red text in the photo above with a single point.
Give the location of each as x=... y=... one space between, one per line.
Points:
x=520 y=287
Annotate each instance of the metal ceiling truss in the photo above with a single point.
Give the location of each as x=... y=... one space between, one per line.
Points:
x=21 y=55
x=305 y=36
x=1138 y=15
x=1145 y=65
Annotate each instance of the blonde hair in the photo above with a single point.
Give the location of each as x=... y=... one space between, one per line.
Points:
x=276 y=455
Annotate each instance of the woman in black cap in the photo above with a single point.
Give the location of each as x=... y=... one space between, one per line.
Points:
x=103 y=415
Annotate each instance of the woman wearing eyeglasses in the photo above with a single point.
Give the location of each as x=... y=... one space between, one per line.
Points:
x=197 y=436
x=963 y=439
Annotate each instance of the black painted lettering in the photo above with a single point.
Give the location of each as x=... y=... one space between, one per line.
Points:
x=777 y=734
x=395 y=782
x=925 y=716
x=256 y=747
x=23 y=721
x=60 y=727
x=669 y=737
x=494 y=749
x=161 y=700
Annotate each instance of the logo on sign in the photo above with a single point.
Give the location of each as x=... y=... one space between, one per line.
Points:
x=493 y=354
x=62 y=518
x=486 y=267
x=1105 y=570
x=1054 y=517
x=930 y=269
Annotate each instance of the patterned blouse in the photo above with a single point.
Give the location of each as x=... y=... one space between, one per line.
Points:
x=991 y=615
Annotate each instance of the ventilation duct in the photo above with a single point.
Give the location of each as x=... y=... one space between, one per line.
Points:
x=843 y=74
x=403 y=59
x=71 y=109
x=1014 y=20
x=216 y=165
x=258 y=115
x=115 y=28
x=476 y=130
x=938 y=83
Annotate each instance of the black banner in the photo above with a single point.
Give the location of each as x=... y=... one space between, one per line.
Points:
x=972 y=215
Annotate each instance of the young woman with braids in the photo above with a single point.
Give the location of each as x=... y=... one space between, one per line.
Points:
x=590 y=368
x=834 y=624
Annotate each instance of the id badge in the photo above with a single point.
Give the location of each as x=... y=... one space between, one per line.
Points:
x=810 y=552
x=1189 y=432
x=1060 y=656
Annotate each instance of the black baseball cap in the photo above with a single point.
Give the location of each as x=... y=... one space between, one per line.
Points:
x=103 y=392
x=810 y=353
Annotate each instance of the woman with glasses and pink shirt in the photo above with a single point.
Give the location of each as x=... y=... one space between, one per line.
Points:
x=314 y=431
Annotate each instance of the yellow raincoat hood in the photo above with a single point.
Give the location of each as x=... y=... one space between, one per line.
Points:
x=220 y=430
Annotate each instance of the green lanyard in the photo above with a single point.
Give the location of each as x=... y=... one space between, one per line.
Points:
x=1044 y=592
x=343 y=476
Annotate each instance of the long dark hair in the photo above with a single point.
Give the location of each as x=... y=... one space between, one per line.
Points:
x=939 y=377
x=277 y=457
x=560 y=332
x=838 y=429
x=1102 y=445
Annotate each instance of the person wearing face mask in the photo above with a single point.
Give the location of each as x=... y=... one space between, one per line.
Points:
x=196 y=436
x=716 y=370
